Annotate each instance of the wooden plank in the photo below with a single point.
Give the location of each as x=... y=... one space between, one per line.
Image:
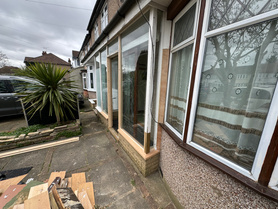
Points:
x=53 y=202
x=57 y=198
x=21 y=206
x=37 y=147
x=22 y=195
x=4 y=185
x=84 y=199
x=89 y=189
x=77 y=179
x=36 y=190
x=120 y=78
x=12 y=191
x=53 y=175
x=39 y=201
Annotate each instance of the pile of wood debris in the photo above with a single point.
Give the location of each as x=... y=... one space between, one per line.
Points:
x=57 y=192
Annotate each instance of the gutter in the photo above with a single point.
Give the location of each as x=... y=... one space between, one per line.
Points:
x=117 y=17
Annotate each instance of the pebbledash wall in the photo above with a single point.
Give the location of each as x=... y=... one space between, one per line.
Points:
x=197 y=184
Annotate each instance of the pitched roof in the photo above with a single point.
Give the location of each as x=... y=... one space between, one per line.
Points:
x=46 y=58
x=75 y=54
x=7 y=70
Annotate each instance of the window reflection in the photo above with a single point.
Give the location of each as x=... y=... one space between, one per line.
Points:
x=104 y=80
x=238 y=81
x=134 y=69
x=230 y=11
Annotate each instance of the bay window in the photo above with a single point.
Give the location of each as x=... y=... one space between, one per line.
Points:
x=222 y=91
x=235 y=117
x=180 y=67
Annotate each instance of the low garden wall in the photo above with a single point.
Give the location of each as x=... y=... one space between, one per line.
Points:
x=41 y=135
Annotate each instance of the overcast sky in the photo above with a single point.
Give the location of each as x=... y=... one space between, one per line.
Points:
x=28 y=27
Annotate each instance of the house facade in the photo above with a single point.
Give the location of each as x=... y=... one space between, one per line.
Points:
x=48 y=58
x=189 y=87
x=8 y=70
x=76 y=73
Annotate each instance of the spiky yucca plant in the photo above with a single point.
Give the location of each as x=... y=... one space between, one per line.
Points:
x=49 y=90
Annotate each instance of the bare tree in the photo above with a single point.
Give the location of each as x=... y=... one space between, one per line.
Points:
x=4 y=60
x=247 y=47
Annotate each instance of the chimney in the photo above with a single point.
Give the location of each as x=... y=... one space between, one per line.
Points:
x=44 y=53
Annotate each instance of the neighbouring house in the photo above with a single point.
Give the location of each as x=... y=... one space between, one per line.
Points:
x=76 y=73
x=49 y=58
x=88 y=76
x=190 y=88
x=8 y=70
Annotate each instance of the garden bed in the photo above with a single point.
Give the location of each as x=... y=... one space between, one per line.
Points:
x=39 y=136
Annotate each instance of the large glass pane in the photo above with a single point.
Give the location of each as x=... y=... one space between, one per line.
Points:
x=225 y=12
x=187 y=20
x=104 y=80
x=114 y=68
x=98 y=81
x=178 y=87
x=114 y=75
x=134 y=69
x=113 y=46
x=92 y=80
x=239 y=76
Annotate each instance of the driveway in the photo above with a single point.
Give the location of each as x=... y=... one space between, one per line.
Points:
x=11 y=123
x=117 y=183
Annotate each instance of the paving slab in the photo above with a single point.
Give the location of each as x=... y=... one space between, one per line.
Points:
x=4 y=162
x=30 y=159
x=68 y=157
x=113 y=186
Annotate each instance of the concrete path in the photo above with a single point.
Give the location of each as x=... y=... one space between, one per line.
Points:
x=117 y=183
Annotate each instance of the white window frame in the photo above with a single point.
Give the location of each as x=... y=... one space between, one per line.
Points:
x=183 y=44
x=104 y=17
x=272 y=114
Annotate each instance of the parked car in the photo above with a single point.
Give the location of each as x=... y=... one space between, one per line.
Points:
x=9 y=101
x=9 y=86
